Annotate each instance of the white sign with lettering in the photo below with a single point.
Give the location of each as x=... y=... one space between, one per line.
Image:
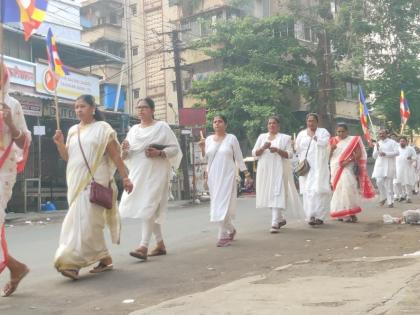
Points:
x=21 y=72
x=70 y=86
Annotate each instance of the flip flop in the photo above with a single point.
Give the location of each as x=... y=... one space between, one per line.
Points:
x=12 y=285
x=70 y=273
x=101 y=267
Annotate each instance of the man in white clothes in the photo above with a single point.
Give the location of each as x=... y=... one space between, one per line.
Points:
x=384 y=171
x=312 y=145
x=405 y=171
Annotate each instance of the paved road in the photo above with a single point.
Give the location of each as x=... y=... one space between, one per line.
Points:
x=194 y=263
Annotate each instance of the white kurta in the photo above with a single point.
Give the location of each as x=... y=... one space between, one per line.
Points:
x=150 y=176
x=385 y=165
x=315 y=186
x=223 y=159
x=82 y=240
x=271 y=191
x=405 y=170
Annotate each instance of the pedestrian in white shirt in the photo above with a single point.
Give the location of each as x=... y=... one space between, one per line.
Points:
x=405 y=171
x=384 y=171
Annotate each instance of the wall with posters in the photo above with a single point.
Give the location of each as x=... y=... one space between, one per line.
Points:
x=69 y=87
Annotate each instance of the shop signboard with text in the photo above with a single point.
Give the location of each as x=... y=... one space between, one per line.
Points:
x=21 y=72
x=69 y=87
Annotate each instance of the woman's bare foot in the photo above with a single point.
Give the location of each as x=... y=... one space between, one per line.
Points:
x=17 y=273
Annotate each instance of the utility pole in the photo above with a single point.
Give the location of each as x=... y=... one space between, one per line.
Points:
x=326 y=95
x=180 y=98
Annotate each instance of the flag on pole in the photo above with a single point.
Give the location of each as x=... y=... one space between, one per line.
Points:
x=31 y=13
x=364 y=115
x=404 y=109
x=55 y=64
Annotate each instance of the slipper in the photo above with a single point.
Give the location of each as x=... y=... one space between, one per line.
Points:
x=101 y=267
x=12 y=285
x=70 y=273
x=158 y=252
x=138 y=254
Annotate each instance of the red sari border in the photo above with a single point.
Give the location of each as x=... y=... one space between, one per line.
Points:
x=345 y=213
x=366 y=187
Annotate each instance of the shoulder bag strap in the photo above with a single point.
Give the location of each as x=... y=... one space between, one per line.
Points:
x=83 y=153
x=214 y=156
x=306 y=155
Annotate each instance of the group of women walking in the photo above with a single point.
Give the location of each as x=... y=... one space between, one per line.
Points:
x=144 y=161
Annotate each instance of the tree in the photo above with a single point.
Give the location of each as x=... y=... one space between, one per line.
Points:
x=263 y=71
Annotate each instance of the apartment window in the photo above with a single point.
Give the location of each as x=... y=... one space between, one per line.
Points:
x=136 y=93
x=135 y=51
x=187 y=84
x=133 y=9
x=352 y=91
x=113 y=19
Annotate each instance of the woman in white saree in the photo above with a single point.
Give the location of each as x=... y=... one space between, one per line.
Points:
x=15 y=139
x=346 y=153
x=150 y=150
x=82 y=240
x=224 y=156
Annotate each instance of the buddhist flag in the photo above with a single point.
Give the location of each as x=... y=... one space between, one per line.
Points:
x=31 y=13
x=404 y=109
x=54 y=61
x=364 y=115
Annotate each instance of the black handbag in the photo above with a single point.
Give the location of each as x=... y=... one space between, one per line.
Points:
x=99 y=194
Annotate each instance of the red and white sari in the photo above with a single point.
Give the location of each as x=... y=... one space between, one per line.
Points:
x=347 y=188
x=12 y=161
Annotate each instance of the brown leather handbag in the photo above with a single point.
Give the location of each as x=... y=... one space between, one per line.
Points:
x=303 y=166
x=99 y=194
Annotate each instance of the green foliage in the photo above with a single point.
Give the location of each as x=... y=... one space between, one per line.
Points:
x=260 y=74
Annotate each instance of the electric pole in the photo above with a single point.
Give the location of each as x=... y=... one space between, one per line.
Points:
x=180 y=98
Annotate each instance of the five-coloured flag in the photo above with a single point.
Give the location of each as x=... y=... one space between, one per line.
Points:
x=364 y=115
x=31 y=13
x=404 y=108
x=55 y=64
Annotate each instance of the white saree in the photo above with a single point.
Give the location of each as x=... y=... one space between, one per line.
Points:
x=150 y=176
x=82 y=240
x=12 y=161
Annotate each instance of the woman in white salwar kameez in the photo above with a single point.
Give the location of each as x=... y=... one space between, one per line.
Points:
x=82 y=240
x=15 y=139
x=347 y=152
x=275 y=186
x=315 y=185
x=150 y=151
x=224 y=156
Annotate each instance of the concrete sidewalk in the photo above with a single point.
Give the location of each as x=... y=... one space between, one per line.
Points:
x=362 y=291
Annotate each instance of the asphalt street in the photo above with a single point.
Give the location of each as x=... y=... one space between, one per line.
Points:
x=194 y=263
